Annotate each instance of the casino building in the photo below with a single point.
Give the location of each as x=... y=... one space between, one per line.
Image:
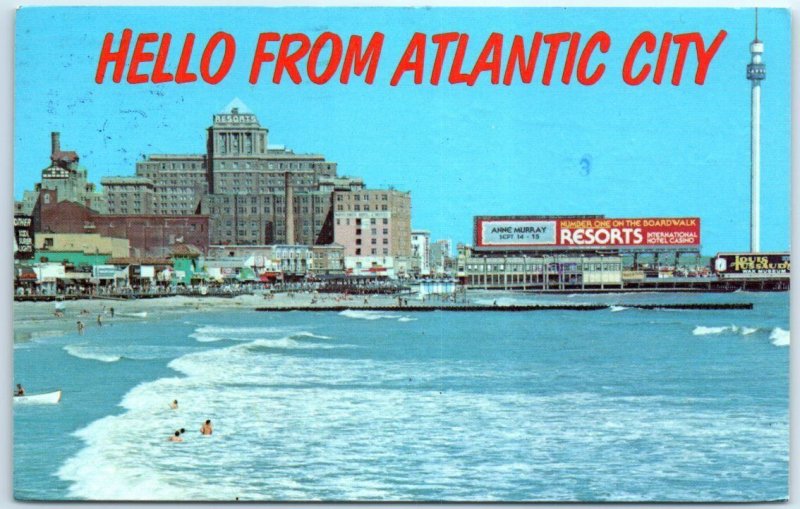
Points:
x=577 y=253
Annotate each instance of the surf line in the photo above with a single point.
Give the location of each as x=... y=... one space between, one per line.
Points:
x=532 y=307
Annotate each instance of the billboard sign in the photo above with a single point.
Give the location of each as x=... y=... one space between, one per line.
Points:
x=593 y=233
x=753 y=264
x=104 y=271
x=517 y=233
x=23 y=236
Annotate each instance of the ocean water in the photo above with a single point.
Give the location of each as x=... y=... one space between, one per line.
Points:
x=613 y=405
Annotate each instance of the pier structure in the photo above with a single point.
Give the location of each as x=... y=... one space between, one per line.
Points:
x=594 y=253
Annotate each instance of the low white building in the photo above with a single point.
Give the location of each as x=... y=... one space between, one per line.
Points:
x=376 y=266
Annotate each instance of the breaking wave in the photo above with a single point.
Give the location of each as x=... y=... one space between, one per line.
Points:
x=140 y=314
x=211 y=333
x=368 y=315
x=702 y=330
x=89 y=353
x=779 y=337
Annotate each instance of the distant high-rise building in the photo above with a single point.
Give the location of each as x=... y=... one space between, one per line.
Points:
x=421 y=256
x=373 y=222
x=441 y=254
x=129 y=195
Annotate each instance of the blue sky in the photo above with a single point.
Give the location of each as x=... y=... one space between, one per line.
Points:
x=652 y=150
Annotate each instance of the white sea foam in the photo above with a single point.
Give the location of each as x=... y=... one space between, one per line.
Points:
x=286 y=343
x=139 y=314
x=366 y=315
x=288 y=426
x=211 y=333
x=305 y=334
x=91 y=353
x=702 y=330
x=779 y=337
x=360 y=314
x=616 y=309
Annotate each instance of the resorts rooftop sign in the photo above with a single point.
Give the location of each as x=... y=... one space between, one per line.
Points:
x=515 y=232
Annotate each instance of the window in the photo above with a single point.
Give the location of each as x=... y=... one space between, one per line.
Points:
x=358 y=251
x=374 y=251
x=385 y=241
x=386 y=231
x=385 y=221
x=358 y=231
x=358 y=242
x=358 y=221
x=374 y=241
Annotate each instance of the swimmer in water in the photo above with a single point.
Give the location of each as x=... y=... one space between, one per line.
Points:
x=176 y=437
x=206 y=428
x=174 y=404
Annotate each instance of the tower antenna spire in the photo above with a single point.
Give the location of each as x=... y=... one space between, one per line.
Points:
x=756 y=73
x=756 y=23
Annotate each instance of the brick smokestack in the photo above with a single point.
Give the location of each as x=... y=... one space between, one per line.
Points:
x=55 y=144
x=289 y=209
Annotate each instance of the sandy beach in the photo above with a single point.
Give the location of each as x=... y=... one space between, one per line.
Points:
x=34 y=320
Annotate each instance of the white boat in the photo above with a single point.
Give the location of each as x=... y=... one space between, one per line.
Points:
x=47 y=398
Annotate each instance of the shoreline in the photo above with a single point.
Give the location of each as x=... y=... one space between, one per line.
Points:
x=37 y=320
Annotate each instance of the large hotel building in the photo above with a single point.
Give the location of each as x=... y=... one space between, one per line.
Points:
x=249 y=192
x=241 y=183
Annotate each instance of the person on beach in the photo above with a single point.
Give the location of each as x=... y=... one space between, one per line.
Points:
x=176 y=437
x=111 y=310
x=20 y=391
x=174 y=404
x=206 y=428
x=100 y=320
x=80 y=327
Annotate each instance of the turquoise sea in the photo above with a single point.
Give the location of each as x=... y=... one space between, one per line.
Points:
x=613 y=405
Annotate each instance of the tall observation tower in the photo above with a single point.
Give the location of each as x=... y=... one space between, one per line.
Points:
x=756 y=72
